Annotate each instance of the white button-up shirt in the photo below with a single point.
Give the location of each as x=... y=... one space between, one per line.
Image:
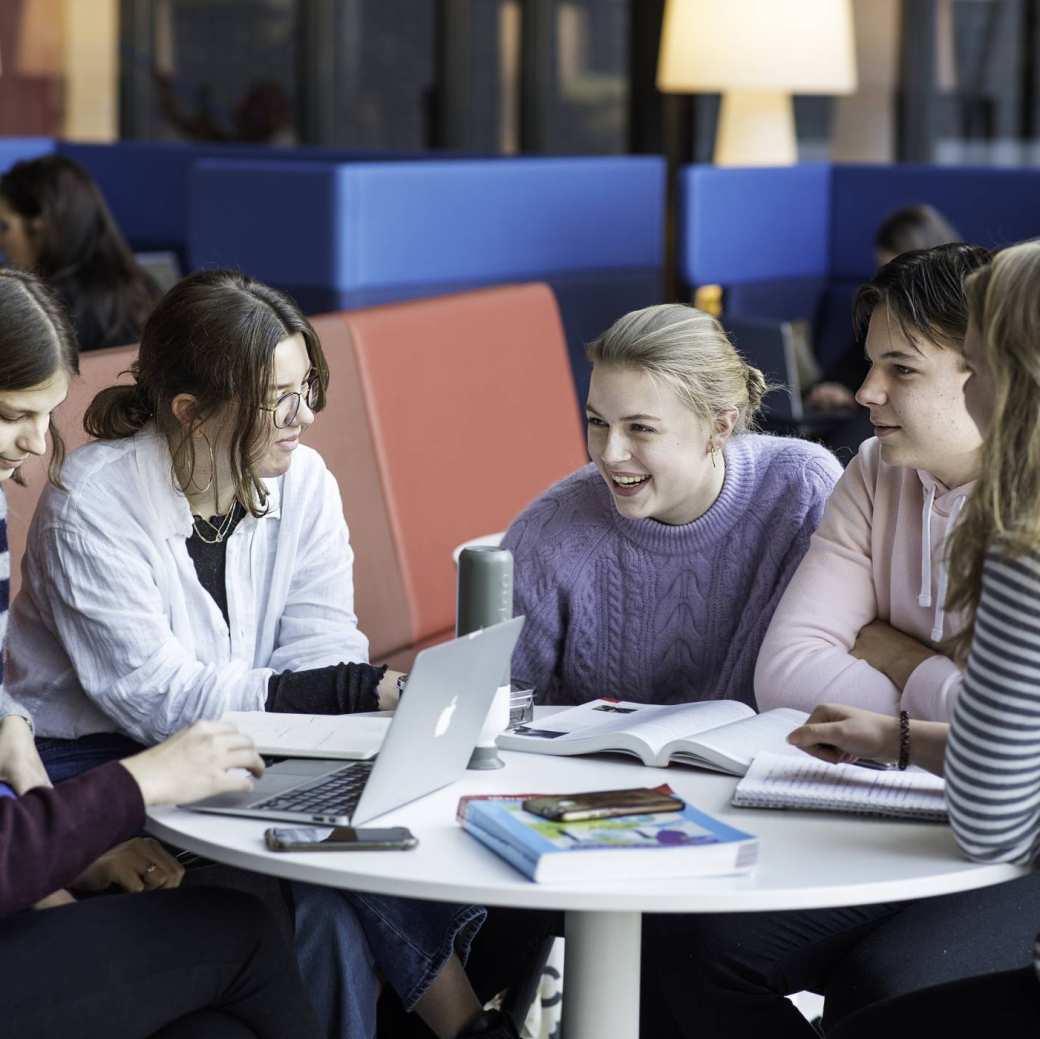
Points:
x=112 y=631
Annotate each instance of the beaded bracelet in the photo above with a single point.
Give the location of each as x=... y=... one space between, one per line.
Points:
x=904 y=740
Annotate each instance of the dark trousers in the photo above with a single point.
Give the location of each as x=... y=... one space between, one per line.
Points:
x=1005 y=1004
x=727 y=975
x=183 y=964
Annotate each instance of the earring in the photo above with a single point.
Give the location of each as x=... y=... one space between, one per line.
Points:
x=713 y=451
x=212 y=466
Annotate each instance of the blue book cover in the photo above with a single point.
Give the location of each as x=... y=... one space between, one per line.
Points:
x=684 y=843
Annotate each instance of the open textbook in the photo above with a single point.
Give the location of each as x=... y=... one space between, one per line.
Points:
x=351 y=737
x=718 y=734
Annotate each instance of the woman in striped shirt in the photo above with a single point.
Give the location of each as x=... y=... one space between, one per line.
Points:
x=990 y=752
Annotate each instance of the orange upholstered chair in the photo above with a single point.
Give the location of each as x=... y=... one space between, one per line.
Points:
x=98 y=369
x=454 y=413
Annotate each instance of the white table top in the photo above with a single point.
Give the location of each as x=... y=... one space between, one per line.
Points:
x=806 y=859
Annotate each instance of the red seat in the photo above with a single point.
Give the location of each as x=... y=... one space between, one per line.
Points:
x=457 y=412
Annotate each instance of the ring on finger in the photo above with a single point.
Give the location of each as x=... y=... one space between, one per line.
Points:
x=151 y=868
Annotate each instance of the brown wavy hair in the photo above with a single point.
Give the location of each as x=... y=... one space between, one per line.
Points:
x=924 y=293
x=36 y=342
x=213 y=335
x=1004 y=509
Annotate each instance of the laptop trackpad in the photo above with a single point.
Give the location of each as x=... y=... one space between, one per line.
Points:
x=276 y=780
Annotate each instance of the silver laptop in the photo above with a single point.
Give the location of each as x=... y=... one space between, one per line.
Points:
x=427 y=746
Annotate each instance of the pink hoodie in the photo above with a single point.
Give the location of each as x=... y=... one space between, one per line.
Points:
x=877 y=554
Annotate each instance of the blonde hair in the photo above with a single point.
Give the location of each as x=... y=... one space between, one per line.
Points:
x=688 y=351
x=1004 y=509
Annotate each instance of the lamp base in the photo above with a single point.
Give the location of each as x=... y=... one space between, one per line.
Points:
x=484 y=758
x=756 y=128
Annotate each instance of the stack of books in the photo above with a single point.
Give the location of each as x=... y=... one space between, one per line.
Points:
x=684 y=843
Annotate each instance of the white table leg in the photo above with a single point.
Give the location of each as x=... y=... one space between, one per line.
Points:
x=601 y=975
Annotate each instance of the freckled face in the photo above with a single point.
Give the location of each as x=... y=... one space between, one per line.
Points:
x=915 y=394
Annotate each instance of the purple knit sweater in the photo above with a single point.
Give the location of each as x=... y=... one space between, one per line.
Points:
x=662 y=614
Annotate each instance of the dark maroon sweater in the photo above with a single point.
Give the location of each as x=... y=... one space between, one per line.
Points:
x=49 y=836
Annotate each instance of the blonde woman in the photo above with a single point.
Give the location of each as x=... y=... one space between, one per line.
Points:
x=651 y=574
x=991 y=750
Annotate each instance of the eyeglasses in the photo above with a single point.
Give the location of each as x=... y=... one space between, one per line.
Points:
x=287 y=407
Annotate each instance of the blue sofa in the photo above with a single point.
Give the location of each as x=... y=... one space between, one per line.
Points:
x=339 y=236
x=795 y=242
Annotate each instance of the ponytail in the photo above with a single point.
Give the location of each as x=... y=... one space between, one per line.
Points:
x=117 y=412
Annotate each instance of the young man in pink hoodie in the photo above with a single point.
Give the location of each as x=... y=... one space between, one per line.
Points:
x=860 y=623
x=862 y=618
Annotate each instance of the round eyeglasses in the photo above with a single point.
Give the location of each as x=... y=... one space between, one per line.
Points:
x=287 y=407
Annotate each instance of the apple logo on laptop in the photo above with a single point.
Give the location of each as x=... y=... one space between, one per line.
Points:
x=444 y=719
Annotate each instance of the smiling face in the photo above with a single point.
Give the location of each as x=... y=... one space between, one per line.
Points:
x=653 y=453
x=24 y=419
x=914 y=392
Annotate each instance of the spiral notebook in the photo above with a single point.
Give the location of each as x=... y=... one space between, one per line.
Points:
x=783 y=781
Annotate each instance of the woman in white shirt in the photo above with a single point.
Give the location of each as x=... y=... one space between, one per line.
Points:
x=197 y=561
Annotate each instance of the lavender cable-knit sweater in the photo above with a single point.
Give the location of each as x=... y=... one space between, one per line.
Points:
x=655 y=613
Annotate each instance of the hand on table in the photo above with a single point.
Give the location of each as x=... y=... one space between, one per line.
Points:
x=195 y=763
x=20 y=764
x=836 y=733
x=830 y=396
x=891 y=651
x=141 y=864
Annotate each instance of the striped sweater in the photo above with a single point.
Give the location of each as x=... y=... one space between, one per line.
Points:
x=993 y=755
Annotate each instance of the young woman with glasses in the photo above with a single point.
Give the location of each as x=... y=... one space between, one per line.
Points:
x=198 y=562
x=175 y=962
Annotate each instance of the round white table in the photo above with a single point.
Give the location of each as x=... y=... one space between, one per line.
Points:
x=806 y=860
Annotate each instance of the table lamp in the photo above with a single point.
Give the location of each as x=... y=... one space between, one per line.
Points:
x=756 y=53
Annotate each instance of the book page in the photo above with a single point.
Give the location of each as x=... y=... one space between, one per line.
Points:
x=737 y=744
x=656 y=725
x=346 y=736
x=781 y=781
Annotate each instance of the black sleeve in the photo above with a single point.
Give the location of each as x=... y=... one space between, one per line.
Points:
x=339 y=689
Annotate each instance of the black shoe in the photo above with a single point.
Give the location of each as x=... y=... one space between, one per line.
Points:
x=492 y=1024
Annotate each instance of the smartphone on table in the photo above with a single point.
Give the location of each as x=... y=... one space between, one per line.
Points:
x=604 y=804
x=340 y=838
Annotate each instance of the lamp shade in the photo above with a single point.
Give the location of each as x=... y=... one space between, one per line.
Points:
x=800 y=46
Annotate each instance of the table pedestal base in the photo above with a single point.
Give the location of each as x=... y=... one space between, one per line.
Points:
x=601 y=975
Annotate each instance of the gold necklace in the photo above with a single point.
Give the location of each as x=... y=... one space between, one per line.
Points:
x=220 y=531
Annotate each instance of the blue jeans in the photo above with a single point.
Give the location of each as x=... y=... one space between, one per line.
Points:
x=406 y=940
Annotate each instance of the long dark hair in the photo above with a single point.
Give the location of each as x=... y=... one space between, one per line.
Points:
x=213 y=335
x=36 y=341
x=924 y=293
x=80 y=250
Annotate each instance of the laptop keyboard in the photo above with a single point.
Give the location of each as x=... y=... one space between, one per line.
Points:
x=337 y=794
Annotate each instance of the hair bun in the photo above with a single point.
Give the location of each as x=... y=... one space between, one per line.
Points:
x=757 y=388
